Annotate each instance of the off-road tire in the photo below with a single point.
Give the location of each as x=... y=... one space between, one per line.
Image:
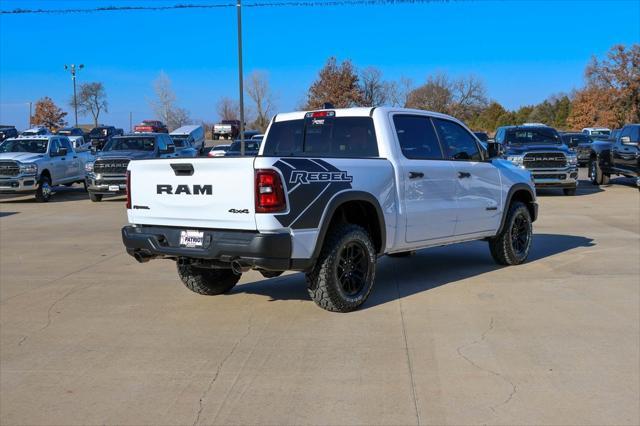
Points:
x=43 y=192
x=402 y=254
x=502 y=247
x=596 y=174
x=569 y=191
x=323 y=284
x=96 y=198
x=207 y=281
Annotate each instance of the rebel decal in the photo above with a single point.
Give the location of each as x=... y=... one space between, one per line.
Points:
x=311 y=184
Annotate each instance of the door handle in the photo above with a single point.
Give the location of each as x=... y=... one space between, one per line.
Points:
x=416 y=175
x=462 y=175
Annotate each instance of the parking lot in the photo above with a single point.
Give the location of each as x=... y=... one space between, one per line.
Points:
x=88 y=336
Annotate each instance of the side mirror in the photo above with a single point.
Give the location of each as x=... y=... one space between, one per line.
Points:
x=494 y=149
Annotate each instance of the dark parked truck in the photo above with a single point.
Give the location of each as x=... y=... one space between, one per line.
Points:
x=540 y=150
x=100 y=136
x=107 y=174
x=329 y=192
x=619 y=157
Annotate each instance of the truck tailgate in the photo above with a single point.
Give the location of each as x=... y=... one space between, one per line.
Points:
x=193 y=193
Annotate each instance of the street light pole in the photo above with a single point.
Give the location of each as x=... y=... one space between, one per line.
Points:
x=72 y=69
x=239 y=10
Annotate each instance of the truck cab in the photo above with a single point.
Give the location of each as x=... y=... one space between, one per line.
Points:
x=618 y=157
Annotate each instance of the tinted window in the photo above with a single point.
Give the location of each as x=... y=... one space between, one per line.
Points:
x=162 y=142
x=65 y=144
x=323 y=137
x=417 y=137
x=54 y=146
x=36 y=146
x=458 y=142
x=635 y=134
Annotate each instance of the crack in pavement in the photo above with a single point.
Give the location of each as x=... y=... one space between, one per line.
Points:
x=406 y=348
x=218 y=369
x=514 y=387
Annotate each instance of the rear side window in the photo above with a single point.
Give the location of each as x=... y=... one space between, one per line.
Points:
x=458 y=142
x=417 y=137
x=349 y=137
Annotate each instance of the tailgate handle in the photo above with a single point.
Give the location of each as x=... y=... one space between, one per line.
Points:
x=183 y=169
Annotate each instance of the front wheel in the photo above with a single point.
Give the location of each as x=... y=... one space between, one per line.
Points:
x=43 y=192
x=207 y=281
x=343 y=276
x=596 y=174
x=511 y=246
x=96 y=198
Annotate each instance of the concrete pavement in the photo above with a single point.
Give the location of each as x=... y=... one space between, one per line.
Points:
x=88 y=336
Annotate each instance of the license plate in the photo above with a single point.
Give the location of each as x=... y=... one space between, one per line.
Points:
x=115 y=188
x=191 y=239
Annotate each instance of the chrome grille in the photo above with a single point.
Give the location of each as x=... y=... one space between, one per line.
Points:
x=545 y=160
x=9 y=168
x=116 y=166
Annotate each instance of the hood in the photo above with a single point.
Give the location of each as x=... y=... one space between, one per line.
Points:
x=23 y=157
x=546 y=147
x=131 y=155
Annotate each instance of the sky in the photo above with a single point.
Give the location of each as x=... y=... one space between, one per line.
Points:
x=524 y=51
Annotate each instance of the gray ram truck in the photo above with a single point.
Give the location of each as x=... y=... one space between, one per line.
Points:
x=36 y=164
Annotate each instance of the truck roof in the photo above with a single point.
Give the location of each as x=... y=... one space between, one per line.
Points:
x=185 y=130
x=361 y=112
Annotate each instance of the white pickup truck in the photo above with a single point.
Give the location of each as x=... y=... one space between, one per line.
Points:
x=329 y=192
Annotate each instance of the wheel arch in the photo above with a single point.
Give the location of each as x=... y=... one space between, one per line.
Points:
x=523 y=193
x=346 y=207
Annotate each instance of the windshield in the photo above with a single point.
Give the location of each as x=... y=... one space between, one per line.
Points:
x=35 y=146
x=529 y=136
x=248 y=146
x=130 y=144
x=180 y=141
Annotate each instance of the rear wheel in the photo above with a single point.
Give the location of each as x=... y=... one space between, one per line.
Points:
x=511 y=246
x=43 y=192
x=207 y=281
x=96 y=198
x=343 y=276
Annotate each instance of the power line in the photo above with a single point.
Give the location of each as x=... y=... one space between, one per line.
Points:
x=254 y=4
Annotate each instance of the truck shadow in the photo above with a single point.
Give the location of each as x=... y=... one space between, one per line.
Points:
x=60 y=194
x=585 y=187
x=427 y=269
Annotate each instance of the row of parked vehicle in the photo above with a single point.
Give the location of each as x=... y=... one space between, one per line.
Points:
x=554 y=157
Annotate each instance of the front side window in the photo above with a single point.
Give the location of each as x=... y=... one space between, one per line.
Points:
x=457 y=141
x=327 y=136
x=417 y=137
x=55 y=146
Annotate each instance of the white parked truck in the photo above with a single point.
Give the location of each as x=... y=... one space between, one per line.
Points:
x=38 y=163
x=329 y=192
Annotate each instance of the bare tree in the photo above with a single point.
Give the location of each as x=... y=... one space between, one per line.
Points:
x=228 y=109
x=165 y=104
x=398 y=91
x=257 y=87
x=375 y=91
x=92 y=99
x=435 y=95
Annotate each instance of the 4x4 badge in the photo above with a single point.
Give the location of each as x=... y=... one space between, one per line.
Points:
x=243 y=211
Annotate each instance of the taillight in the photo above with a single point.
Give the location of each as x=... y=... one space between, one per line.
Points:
x=128 y=189
x=269 y=192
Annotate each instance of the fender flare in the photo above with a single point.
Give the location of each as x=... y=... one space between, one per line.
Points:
x=515 y=188
x=337 y=201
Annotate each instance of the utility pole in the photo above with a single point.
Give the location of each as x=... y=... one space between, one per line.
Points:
x=130 y=122
x=239 y=10
x=72 y=69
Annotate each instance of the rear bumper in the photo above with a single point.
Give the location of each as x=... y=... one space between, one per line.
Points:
x=251 y=249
